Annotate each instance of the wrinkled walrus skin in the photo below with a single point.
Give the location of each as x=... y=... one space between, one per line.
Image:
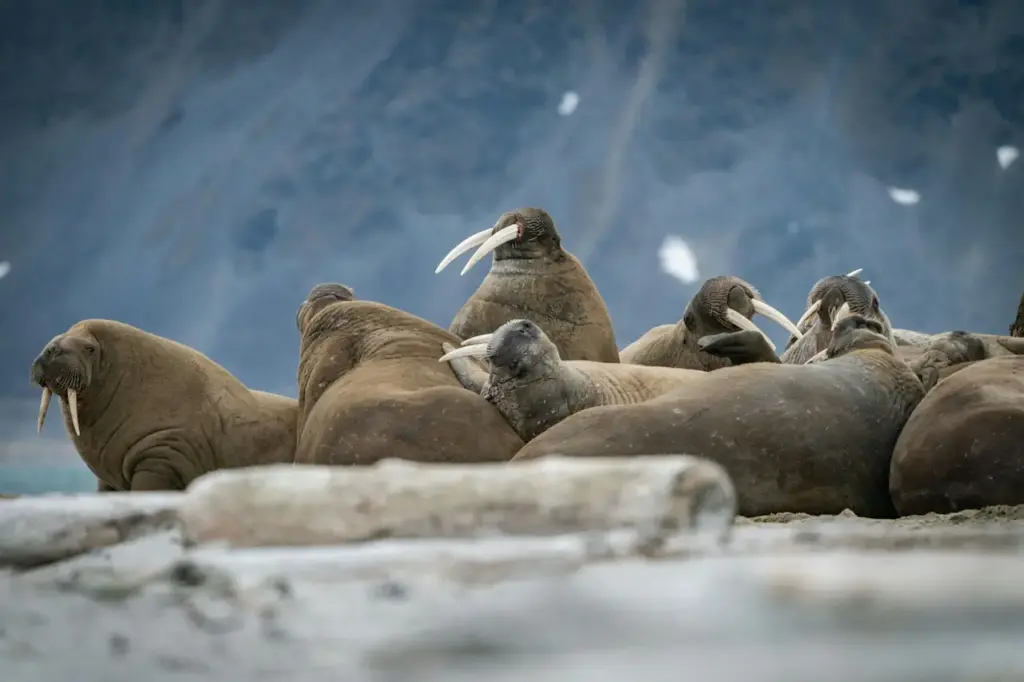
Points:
x=795 y=438
x=963 y=448
x=370 y=387
x=156 y=414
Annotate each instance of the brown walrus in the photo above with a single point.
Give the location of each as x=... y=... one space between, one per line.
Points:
x=794 y=438
x=963 y=447
x=370 y=387
x=722 y=304
x=535 y=389
x=533 y=277
x=148 y=413
x=950 y=352
x=830 y=299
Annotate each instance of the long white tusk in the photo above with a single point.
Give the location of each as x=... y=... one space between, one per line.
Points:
x=746 y=325
x=73 y=409
x=465 y=245
x=476 y=351
x=868 y=282
x=855 y=272
x=817 y=357
x=776 y=316
x=843 y=312
x=809 y=313
x=502 y=236
x=44 y=405
x=481 y=338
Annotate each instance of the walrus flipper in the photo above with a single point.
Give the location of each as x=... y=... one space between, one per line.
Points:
x=742 y=347
x=469 y=373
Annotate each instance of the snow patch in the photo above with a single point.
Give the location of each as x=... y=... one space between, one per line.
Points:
x=904 y=197
x=677 y=259
x=5 y=267
x=570 y=100
x=1006 y=155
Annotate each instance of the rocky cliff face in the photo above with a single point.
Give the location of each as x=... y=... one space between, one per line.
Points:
x=194 y=167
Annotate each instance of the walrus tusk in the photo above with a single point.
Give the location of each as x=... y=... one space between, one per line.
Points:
x=746 y=325
x=838 y=315
x=478 y=350
x=854 y=273
x=868 y=282
x=44 y=405
x=809 y=313
x=776 y=316
x=470 y=242
x=817 y=357
x=502 y=236
x=73 y=409
x=481 y=338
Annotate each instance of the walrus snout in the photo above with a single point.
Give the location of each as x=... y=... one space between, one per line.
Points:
x=853 y=332
x=515 y=227
x=319 y=297
x=726 y=303
x=61 y=368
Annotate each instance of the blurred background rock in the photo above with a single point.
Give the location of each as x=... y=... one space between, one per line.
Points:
x=194 y=167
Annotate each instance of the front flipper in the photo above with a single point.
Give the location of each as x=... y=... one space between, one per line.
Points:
x=468 y=371
x=740 y=347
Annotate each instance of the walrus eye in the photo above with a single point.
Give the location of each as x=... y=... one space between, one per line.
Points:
x=90 y=349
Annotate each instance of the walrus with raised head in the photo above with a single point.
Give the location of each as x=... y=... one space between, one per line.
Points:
x=831 y=299
x=722 y=304
x=963 y=447
x=370 y=387
x=795 y=438
x=950 y=352
x=533 y=277
x=148 y=413
x=535 y=389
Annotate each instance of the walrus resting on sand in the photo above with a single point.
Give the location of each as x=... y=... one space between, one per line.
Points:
x=722 y=304
x=370 y=387
x=148 y=413
x=535 y=389
x=963 y=447
x=832 y=298
x=797 y=438
x=533 y=277
x=950 y=352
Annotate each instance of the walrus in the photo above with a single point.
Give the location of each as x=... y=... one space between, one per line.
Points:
x=950 y=352
x=535 y=389
x=964 y=445
x=1017 y=326
x=722 y=304
x=149 y=413
x=370 y=387
x=795 y=438
x=830 y=299
x=533 y=277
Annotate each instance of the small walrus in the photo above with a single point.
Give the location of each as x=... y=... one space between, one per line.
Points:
x=533 y=277
x=148 y=413
x=950 y=352
x=830 y=299
x=722 y=304
x=370 y=388
x=964 y=445
x=535 y=389
x=794 y=438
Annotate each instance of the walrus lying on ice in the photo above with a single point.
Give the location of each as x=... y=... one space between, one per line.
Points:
x=799 y=438
x=148 y=413
x=370 y=387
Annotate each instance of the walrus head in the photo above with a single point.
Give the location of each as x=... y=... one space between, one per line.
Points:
x=523 y=233
x=836 y=296
x=945 y=351
x=857 y=332
x=725 y=304
x=66 y=366
x=319 y=297
x=515 y=349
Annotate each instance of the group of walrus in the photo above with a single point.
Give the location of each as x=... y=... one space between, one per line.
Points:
x=854 y=414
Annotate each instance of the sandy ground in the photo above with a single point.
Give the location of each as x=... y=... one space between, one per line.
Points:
x=789 y=597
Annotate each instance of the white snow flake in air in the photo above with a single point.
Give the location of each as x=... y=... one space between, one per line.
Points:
x=5 y=267
x=1006 y=155
x=570 y=100
x=677 y=259
x=906 y=197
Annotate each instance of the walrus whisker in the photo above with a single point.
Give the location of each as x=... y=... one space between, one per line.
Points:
x=44 y=405
x=470 y=242
x=843 y=312
x=809 y=313
x=502 y=236
x=776 y=316
x=478 y=350
x=73 y=409
x=817 y=357
x=746 y=325
x=480 y=338
x=854 y=273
